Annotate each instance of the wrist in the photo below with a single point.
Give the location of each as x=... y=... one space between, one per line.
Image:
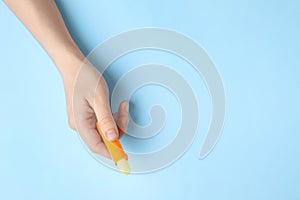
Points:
x=69 y=65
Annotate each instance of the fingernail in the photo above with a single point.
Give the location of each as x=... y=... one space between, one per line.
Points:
x=111 y=135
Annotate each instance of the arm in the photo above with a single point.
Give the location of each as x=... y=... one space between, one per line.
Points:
x=43 y=20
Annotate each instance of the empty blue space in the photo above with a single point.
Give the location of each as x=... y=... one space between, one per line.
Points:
x=255 y=47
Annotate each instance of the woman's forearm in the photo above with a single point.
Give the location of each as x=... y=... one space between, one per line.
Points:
x=43 y=20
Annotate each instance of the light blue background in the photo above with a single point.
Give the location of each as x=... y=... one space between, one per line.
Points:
x=255 y=46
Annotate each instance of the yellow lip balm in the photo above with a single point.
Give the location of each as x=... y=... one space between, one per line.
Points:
x=116 y=152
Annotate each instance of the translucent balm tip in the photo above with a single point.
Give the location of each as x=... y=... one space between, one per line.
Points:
x=116 y=152
x=123 y=166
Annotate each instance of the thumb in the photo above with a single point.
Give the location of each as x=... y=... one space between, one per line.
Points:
x=106 y=121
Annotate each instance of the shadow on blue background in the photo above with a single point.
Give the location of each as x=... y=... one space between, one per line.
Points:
x=255 y=46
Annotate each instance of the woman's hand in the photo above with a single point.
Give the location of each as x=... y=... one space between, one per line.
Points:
x=87 y=99
x=89 y=102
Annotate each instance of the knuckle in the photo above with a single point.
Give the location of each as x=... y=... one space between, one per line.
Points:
x=104 y=120
x=107 y=122
x=71 y=123
x=93 y=148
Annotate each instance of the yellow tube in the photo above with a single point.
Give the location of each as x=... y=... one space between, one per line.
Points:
x=116 y=152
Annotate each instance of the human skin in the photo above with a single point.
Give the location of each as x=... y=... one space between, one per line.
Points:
x=43 y=20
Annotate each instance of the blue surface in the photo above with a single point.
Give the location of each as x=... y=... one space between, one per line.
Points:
x=255 y=46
